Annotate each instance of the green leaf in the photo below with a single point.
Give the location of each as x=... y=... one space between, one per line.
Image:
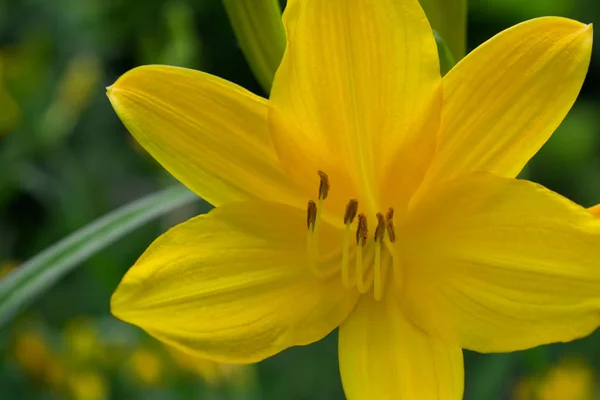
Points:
x=259 y=30
x=449 y=18
x=40 y=273
x=444 y=53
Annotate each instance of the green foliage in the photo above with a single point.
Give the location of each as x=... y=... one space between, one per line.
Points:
x=446 y=59
x=259 y=31
x=33 y=278
x=449 y=18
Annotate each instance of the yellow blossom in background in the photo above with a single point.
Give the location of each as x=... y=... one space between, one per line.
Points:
x=73 y=93
x=568 y=380
x=7 y=267
x=371 y=194
x=38 y=359
x=78 y=360
x=213 y=373
x=56 y=373
x=210 y=371
x=88 y=385
x=83 y=345
x=32 y=353
x=147 y=366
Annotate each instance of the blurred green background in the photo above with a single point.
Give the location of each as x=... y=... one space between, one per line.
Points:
x=65 y=160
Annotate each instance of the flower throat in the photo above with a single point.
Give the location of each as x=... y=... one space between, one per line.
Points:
x=371 y=258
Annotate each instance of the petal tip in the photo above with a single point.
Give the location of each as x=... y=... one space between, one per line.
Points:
x=120 y=303
x=116 y=306
x=587 y=29
x=109 y=90
x=587 y=33
x=111 y=93
x=126 y=78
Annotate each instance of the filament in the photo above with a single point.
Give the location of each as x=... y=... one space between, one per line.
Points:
x=377 y=280
x=396 y=266
x=372 y=264
x=360 y=284
x=351 y=210
x=363 y=285
x=345 y=258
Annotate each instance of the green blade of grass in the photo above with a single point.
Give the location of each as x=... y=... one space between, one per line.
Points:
x=33 y=278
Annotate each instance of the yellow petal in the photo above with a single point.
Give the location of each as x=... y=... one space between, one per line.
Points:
x=595 y=210
x=210 y=134
x=504 y=100
x=233 y=285
x=496 y=264
x=383 y=356
x=359 y=83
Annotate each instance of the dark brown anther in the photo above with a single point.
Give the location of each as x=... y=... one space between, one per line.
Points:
x=380 y=230
x=324 y=185
x=311 y=216
x=362 y=232
x=351 y=210
x=389 y=217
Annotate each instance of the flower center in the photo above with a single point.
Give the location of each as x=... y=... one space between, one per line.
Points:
x=365 y=262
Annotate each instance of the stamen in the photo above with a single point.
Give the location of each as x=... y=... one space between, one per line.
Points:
x=379 y=233
x=372 y=263
x=324 y=185
x=311 y=216
x=389 y=217
x=362 y=232
x=363 y=284
x=360 y=284
x=313 y=221
x=312 y=242
x=351 y=210
x=377 y=283
x=380 y=230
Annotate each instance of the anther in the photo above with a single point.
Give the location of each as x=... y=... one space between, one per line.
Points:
x=362 y=232
x=389 y=217
x=324 y=185
x=311 y=216
x=351 y=210
x=380 y=230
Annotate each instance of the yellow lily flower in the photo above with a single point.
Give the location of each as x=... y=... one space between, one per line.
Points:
x=417 y=240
